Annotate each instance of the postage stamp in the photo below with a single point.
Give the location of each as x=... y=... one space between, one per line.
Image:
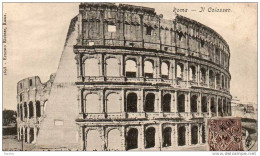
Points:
x=225 y=134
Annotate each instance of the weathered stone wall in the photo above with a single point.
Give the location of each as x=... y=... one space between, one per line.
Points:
x=142 y=28
x=32 y=96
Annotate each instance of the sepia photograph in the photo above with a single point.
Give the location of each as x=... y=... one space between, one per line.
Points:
x=117 y=76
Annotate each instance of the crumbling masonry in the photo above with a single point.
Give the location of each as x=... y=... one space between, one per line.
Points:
x=130 y=80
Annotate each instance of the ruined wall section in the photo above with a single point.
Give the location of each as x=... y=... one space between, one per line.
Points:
x=32 y=97
x=106 y=24
x=58 y=129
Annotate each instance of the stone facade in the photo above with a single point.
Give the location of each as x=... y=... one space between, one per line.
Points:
x=130 y=80
x=32 y=98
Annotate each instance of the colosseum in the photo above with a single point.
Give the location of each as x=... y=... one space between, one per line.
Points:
x=128 y=79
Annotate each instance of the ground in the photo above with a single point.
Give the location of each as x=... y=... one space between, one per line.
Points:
x=10 y=143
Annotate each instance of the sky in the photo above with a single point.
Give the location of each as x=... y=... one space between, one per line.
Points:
x=36 y=35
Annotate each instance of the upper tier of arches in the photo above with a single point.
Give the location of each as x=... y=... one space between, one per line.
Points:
x=105 y=24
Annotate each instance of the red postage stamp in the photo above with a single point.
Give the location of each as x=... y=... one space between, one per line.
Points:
x=225 y=134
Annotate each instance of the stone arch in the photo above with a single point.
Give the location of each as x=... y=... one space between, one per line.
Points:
x=194 y=134
x=218 y=79
x=31 y=138
x=181 y=103
x=181 y=136
x=220 y=113
x=92 y=103
x=131 y=68
x=38 y=109
x=149 y=68
x=22 y=133
x=132 y=139
x=224 y=106
x=30 y=109
x=94 y=141
x=167 y=136
x=223 y=81
x=112 y=67
x=192 y=72
x=150 y=137
x=149 y=102
x=25 y=135
x=211 y=79
x=91 y=67
x=212 y=105
x=193 y=103
x=179 y=70
x=25 y=110
x=204 y=104
x=131 y=102
x=114 y=139
x=203 y=75
x=21 y=109
x=165 y=69
x=113 y=103
x=203 y=134
x=166 y=101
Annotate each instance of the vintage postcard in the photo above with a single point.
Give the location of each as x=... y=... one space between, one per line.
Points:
x=114 y=76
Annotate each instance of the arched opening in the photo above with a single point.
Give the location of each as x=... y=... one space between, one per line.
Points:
x=181 y=103
x=204 y=107
x=131 y=102
x=112 y=67
x=22 y=135
x=211 y=79
x=203 y=134
x=218 y=79
x=194 y=134
x=92 y=104
x=113 y=103
x=21 y=114
x=192 y=73
x=38 y=109
x=193 y=102
x=226 y=84
x=91 y=67
x=223 y=81
x=165 y=70
x=167 y=137
x=203 y=75
x=114 y=140
x=149 y=102
x=224 y=106
x=30 y=109
x=132 y=139
x=212 y=105
x=25 y=135
x=31 y=135
x=130 y=68
x=179 y=72
x=150 y=137
x=21 y=97
x=94 y=141
x=217 y=54
x=220 y=108
x=25 y=110
x=181 y=136
x=166 y=103
x=148 y=69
